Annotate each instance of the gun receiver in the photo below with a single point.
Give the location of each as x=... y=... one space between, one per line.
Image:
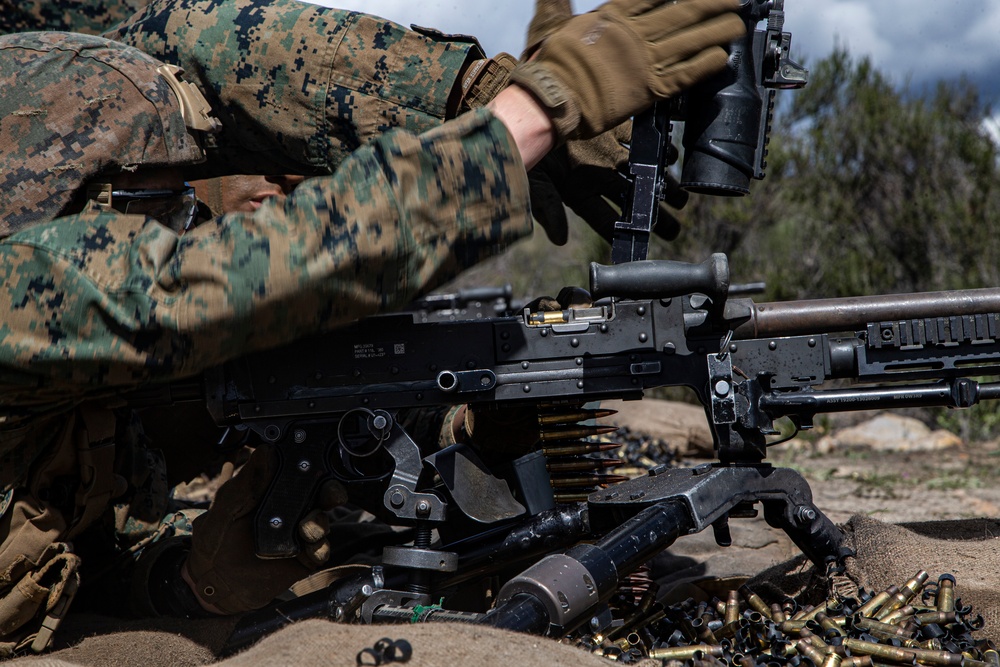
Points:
x=333 y=403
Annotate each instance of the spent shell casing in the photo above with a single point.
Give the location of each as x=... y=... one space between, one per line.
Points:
x=895 y=616
x=756 y=602
x=732 y=612
x=686 y=652
x=831 y=660
x=992 y=657
x=579 y=449
x=586 y=480
x=830 y=626
x=881 y=651
x=906 y=593
x=926 y=657
x=809 y=651
x=574 y=433
x=573 y=417
x=873 y=605
x=937 y=617
x=777 y=613
x=792 y=627
x=880 y=629
x=857 y=661
x=946 y=593
x=801 y=613
x=582 y=465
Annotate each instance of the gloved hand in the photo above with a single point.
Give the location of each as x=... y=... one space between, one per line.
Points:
x=600 y=68
x=585 y=174
x=588 y=176
x=222 y=566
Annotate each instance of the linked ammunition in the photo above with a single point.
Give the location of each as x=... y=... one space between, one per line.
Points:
x=574 y=432
x=586 y=481
x=570 y=497
x=573 y=417
x=579 y=449
x=582 y=465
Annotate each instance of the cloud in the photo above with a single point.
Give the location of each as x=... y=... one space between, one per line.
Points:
x=917 y=40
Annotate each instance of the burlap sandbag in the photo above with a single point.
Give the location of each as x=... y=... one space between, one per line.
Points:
x=326 y=644
x=890 y=554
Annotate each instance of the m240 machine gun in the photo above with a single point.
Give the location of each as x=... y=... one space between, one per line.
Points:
x=331 y=405
x=334 y=405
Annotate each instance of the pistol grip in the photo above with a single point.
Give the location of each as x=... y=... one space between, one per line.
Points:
x=302 y=466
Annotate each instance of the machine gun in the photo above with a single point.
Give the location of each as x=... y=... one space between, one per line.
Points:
x=331 y=403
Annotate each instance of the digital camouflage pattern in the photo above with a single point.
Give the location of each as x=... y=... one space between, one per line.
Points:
x=98 y=302
x=300 y=87
x=83 y=106
x=91 y=17
x=103 y=299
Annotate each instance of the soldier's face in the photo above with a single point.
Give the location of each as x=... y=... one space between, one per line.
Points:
x=244 y=193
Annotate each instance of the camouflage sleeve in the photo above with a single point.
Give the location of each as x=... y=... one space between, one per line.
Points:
x=110 y=299
x=299 y=87
x=91 y=17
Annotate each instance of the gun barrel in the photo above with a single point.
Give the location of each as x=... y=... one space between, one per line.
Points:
x=814 y=316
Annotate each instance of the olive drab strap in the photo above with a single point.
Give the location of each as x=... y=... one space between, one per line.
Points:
x=96 y=457
x=48 y=590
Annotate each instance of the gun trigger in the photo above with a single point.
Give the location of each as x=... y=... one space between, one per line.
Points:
x=721 y=529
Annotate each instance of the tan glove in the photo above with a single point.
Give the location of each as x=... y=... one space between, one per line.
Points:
x=588 y=176
x=222 y=565
x=603 y=67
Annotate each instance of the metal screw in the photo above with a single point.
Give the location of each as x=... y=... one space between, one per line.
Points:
x=396 y=499
x=304 y=465
x=722 y=388
x=423 y=508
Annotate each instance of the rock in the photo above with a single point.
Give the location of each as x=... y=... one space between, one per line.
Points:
x=683 y=425
x=889 y=433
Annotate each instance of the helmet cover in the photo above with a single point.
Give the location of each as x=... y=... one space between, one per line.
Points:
x=75 y=107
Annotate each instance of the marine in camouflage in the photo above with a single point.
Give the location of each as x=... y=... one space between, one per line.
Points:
x=90 y=17
x=300 y=87
x=100 y=301
x=82 y=107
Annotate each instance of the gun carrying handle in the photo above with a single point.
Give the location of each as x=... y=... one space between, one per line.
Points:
x=661 y=279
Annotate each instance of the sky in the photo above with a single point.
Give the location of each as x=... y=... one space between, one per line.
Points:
x=919 y=41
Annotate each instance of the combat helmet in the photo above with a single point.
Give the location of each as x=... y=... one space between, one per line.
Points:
x=73 y=107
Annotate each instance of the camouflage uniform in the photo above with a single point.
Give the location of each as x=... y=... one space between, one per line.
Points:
x=101 y=301
x=90 y=17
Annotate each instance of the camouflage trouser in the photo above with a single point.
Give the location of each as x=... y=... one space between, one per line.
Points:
x=86 y=472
